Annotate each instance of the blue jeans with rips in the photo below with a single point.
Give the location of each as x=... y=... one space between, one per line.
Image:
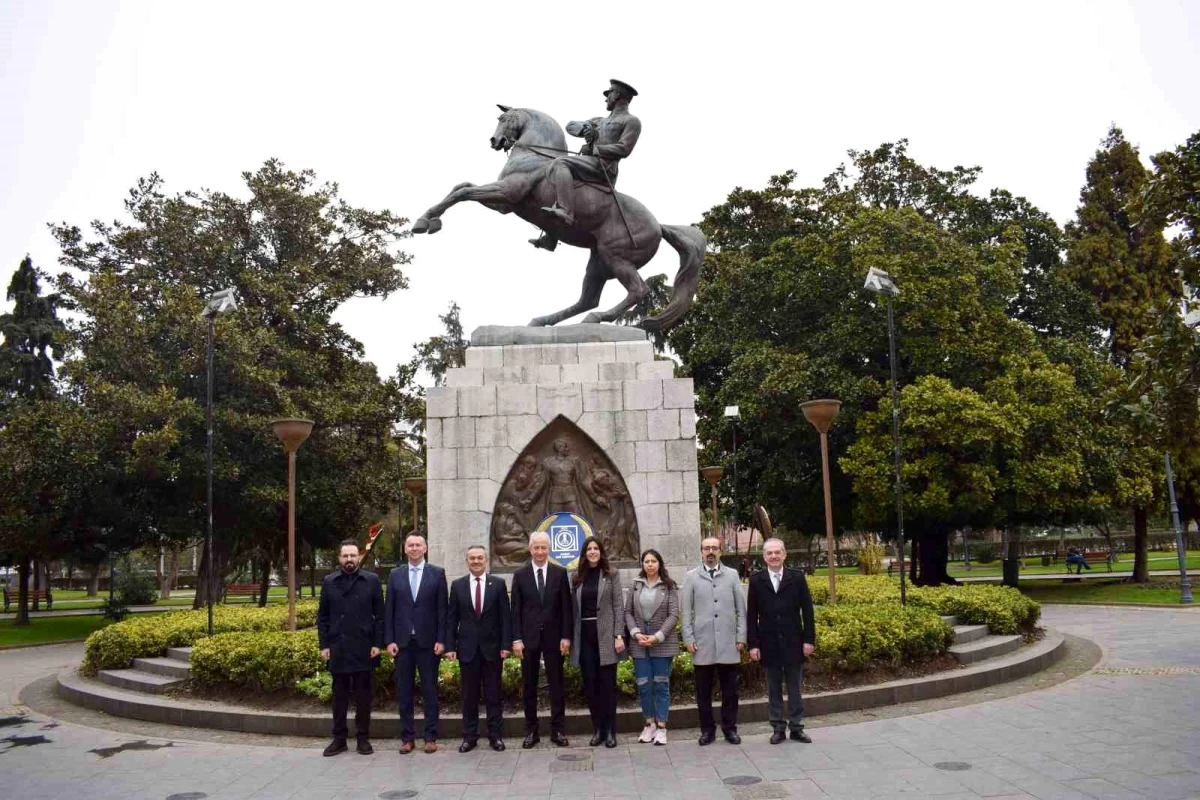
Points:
x=654 y=685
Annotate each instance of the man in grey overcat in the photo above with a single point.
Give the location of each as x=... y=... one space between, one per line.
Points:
x=607 y=141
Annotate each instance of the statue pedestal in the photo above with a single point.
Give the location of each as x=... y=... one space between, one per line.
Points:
x=629 y=428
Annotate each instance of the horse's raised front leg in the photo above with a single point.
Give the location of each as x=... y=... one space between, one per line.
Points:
x=636 y=289
x=589 y=298
x=499 y=193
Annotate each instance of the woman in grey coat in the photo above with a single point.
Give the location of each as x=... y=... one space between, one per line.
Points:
x=599 y=641
x=651 y=611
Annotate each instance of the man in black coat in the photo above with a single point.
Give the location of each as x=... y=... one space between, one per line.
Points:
x=543 y=626
x=479 y=636
x=778 y=599
x=415 y=631
x=350 y=635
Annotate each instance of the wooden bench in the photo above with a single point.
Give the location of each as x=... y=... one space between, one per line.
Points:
x=34 y=595
x=242 y=590
x=1097 y=557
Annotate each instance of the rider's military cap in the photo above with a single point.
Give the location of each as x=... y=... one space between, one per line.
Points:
x=623 y=86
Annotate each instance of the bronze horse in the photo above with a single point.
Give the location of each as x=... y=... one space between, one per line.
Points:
x=532 y=140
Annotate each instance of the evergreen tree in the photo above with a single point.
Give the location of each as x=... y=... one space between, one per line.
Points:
x=440 y=354
x=33 y=336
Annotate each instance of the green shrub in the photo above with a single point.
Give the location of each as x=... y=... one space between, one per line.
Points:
x=984 y=552
x=136 y=588
x=116 y=646
x=851 y=636
x=870 y=559
x=262 y=661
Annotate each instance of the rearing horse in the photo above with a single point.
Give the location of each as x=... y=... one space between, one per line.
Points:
x=532 y=140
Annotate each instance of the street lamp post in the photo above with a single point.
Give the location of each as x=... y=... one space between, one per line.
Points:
x=220 y=302
x=713 y=476
x=292 y=432
x=1185 y=586
x=880 y=282
x=416 y=487
x=821 y=414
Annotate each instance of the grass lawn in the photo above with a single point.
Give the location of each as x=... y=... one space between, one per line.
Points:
x=1161 y=592
x=1033 y=565
x=43 y=630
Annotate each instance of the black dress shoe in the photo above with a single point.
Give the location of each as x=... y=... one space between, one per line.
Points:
x=560 y=739
x=335 y=747
x=466 y=746
x=597 y=739
x=801 y=736
x=610 y=740
x=497 y=745
x=777 y=737
x=707 y=738
x=732 y=737
x=364 y=747
x=530 y=740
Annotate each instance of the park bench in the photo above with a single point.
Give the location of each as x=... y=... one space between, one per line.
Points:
x=242 y=590
x=35 y=595
x=1097 y=557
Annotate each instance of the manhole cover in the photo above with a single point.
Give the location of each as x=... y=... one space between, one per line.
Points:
x=187 y=796
x=742 y=780
x=952 y=766
x=760 y=791
x=399 y=794
x=575 y=757
x=571 y=763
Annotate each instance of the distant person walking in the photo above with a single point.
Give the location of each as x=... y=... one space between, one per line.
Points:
x=778 y=600
x=651 y=611
x=599 y=605
x=713 y=606
x=350 y=636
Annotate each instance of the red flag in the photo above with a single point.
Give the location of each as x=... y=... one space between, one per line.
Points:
x=373 y=533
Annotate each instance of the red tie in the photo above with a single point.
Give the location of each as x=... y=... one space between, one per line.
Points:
x=478 y=597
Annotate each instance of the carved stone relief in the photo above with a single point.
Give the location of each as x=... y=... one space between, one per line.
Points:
x=562 y=469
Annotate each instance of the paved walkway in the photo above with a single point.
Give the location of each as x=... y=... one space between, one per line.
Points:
x=91 y=612
x=1095 y=572
x=1129 y=729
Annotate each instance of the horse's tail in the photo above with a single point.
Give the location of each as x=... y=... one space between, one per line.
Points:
x=690 y=242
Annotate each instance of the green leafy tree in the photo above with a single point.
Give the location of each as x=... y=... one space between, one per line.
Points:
x=443 y=352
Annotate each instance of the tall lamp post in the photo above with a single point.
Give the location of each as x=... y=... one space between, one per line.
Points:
x=821 y=414
x=1185 y=586
x=880 y=282
x=713 y=476
x=292 y=432
x=416 y=487
x=221 y=302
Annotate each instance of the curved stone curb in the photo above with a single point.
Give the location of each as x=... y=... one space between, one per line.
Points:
x=117 y=702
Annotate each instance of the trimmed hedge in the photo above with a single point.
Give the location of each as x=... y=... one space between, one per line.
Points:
x=116 y=646
x=850 y=637
x=1003 y=609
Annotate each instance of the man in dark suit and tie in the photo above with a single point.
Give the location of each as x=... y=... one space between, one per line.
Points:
x=479 y=635
x=415 y=630
x=778 y=599
x=543 y=626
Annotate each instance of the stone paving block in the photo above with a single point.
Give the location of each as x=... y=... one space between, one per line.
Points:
x=642 y=395
x=560 y=354
x=650 y=456
x=565 y=399
x=441 y=465
x=630 y=426
x=515 y=399
x=472 y=462
x=548 y=374
x=596 y=352
x=662 y=423
x=522 y=355
x=655 y=370
x=484 y=357
x=599 y=425
x=634 y=351
x=580 y=373
x=491 y=431
x=477 y=401
x=433 y=433
x=602 y=396
x=458 y=432
x=618 y=371
x=441 y=401
x=664 y=487
x=522 y=429
x=679 y=393
x=687 y=423
x=464 y=376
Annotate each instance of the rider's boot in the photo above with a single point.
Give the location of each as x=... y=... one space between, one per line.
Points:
x=545 y=242
x=564 y=215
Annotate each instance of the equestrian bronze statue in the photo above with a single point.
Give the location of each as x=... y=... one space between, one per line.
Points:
x=573 y=199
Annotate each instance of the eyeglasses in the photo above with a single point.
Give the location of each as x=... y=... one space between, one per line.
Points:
x=710 y=547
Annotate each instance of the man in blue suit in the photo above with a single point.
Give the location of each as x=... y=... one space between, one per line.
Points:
x=415 y=630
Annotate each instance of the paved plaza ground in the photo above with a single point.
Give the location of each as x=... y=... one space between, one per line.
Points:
x=1130 y=728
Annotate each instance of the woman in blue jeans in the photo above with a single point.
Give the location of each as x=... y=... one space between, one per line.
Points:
x=651 y=611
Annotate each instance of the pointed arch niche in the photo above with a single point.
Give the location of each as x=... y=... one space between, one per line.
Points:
x=563 y=469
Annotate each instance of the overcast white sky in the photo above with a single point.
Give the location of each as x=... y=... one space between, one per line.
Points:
x=396 y=101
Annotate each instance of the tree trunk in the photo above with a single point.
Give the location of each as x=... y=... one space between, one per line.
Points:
x=22 y=592
x=914 y=556
x=265 y=584
x=1012 y=554
x=209 y=581
x=93 y=580
x=37 y=584
x=933 y=557
x=1141 y=537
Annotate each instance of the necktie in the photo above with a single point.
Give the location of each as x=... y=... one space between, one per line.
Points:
x=541 y=581
x=478 y=597
x=414 y=581
x=712 y=573
x=775 y=581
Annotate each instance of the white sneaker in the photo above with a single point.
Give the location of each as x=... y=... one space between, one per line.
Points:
x=648 y=733
x=660 y=735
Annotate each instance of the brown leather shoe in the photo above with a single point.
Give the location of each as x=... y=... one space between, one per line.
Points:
x=431 y=747
x=406 y=748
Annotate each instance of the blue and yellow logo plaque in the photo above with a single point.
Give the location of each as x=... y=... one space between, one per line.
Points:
x=567 y=534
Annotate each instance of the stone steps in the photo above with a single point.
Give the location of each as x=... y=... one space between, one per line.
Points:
x=984 y=648
x=170 y=667
x=180 y=653
x=951 y=621
x=965 y=634
x=137 y=680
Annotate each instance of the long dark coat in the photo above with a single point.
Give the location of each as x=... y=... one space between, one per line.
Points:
x=780 y=624
x=350 y=620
